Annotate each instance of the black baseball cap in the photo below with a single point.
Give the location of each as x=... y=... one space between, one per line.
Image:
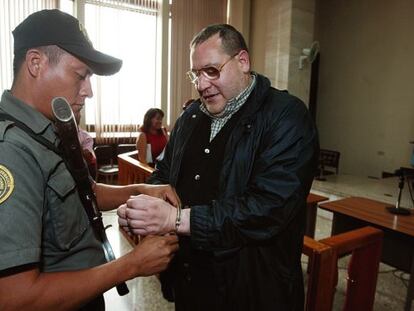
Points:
x=54 y=27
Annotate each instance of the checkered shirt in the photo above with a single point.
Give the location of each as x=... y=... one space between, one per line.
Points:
x=233 y=105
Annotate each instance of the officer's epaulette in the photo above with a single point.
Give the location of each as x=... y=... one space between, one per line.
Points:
x=40 y=139
x=5 y=124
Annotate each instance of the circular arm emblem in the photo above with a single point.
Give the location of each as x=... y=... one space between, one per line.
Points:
x=6 y=183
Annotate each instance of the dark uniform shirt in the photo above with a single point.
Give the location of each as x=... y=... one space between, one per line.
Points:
x=42 y=217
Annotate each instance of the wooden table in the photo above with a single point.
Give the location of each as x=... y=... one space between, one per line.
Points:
x=312 y=207
x=398 y=243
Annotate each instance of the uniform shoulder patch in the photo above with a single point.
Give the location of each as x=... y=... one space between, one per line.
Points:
x=6 y=183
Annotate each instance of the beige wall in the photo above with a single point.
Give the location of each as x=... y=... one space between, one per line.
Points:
x=366 y=98
x=279 y=31
x=366 y=93
x=270 y=39
x=301 y=37
x=238 y=15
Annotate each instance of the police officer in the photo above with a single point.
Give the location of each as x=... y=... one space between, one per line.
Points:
x=49 y=256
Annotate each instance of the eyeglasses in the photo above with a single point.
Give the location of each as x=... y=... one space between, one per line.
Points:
x=211 y=73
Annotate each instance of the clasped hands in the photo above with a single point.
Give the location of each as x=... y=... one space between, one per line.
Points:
x=152 y=212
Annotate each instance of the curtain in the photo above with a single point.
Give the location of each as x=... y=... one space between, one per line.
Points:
x=126 y=29
x=188 y=18
x=11 y=14
x=141 y=6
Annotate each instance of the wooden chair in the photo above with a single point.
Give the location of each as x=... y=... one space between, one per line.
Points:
x=106 y=168
x=328 y=163
x=123 y=148
x=364 y=245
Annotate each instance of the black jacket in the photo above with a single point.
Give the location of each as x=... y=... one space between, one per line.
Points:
x=255 y=226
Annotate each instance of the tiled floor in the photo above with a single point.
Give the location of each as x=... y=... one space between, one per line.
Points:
x=391 y=287
x=384 y=190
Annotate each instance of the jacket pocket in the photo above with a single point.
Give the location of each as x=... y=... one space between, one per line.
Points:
x=67 y=217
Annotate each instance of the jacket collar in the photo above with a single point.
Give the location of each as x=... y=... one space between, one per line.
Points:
x=255 y=100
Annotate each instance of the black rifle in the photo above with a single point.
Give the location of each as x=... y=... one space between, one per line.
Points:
x=72 y=154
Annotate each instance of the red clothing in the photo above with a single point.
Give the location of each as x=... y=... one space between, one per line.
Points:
x=157 y=142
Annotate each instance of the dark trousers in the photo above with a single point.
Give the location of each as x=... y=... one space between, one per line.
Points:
x=196 y=289
x=98 y=304
x=190 y=281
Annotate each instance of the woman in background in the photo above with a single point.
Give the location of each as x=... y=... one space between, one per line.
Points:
x=152 y=138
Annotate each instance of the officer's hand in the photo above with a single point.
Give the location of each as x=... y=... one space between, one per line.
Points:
x=153 y=254
x=148 y=215
x=165 y=192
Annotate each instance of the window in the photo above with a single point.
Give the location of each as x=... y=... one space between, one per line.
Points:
x=125 y=29
x=11 y=14
x=131 y=36
x=137 y=31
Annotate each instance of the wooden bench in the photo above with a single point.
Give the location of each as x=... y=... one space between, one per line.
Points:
x=131 y=170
